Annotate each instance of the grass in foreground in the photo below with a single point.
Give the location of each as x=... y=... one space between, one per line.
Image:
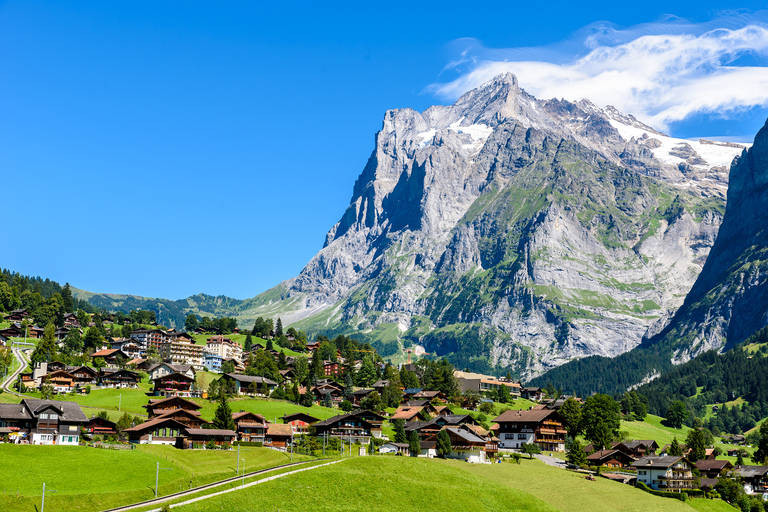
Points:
x=400 y=483
x=89 y=479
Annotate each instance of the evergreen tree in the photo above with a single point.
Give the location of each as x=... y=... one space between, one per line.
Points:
x=222 y=419
x=414 y=446
x=46 y=347
x=675 y=448
x=676 y=414
x=761 y=454
x=367 y=374
x=575 y=452
x=399 y=429
x=282 y=362
x=444 y=443
x=248 y=343
x=67 y=301
x=371 y=447
x=571 y=414
x=740 y=457
x=279 y=328
x=73 y=342
x=696 y=442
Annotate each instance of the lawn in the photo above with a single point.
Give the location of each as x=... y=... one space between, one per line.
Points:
x=270 y=409
x=652 y=428
x=421 y=484
x=240 y=338
x=89 y=479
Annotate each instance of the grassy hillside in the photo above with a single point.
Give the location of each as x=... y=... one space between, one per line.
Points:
x=421 y=484
x=90 y=479
x=652 y=428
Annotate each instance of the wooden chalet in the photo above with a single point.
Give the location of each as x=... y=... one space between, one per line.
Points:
x=61 y=381
x=713 y=468
x=157 y=431
x=753 y=478
x=101 y=426
x=161 y=369
x=278 y=435
x=111 y=356
x=541 y=426
x=114 y=378
x=191 y=419
x=670 y=473
x=359 y=394
x=465 y=445
x=83 y=375
x=17 y=315
x=174 y=384
x=409 y=413
x=300 y=421
x=637 y=449
x=158 y=407
x=358 y=425
x=612 y=458
x=250 y=427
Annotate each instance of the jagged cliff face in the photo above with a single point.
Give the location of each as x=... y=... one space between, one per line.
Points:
x=729 y=300
x=507 y=231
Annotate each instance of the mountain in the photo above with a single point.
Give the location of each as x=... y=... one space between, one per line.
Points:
x=727 y=303
x=510 y=233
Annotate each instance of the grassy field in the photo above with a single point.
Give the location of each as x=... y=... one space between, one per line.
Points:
x=421 y=484
x=270 y=409
x=88 y=479
x=652 y=428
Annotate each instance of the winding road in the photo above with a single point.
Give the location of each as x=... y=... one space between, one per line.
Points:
x=23 y=360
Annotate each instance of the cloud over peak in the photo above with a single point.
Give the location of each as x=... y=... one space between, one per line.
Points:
x=661 y=72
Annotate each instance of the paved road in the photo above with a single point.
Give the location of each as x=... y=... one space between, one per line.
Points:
x=551 y=461
x=22 y=358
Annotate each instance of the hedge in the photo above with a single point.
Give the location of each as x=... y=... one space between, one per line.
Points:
x=248 y=443
x=665 y=494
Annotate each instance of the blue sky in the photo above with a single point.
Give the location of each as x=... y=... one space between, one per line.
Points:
x=169 y=148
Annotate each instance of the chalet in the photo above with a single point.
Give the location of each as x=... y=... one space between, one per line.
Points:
x=465 y=445
x=101 y=427
x=17 y=315
x=480 y=383
x=379 y=385
x=637 y=449
x=114 y=378
x=331 y=389
x=330 y=368
x=129 y=346
x=250 y=426
x=396 y=448
x=54 y=422
x=428 y=395
x=159 y=407
x=61 y=333
x=299 y=421
x=111 y=357
x=610 y=458
x=161 y=369
x=753 y=478
x=279 y=435
x=70 y=320
x=532 y=393
x=15 y=418
x=430 y=428
x=670 y=473
x=409 y=413
x=83 y=375
x=543 y=427
x=139 y=363
x=61 y=380
x=157 y=431
x=358 y=425
x=189 y=418
x=201 y=437
x=713 y=468
x=174 y=384
x=248 y=384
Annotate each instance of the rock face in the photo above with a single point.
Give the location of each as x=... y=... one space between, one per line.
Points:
x=511 y=233
x=729 y=300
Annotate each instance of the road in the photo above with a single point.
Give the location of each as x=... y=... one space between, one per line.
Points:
x=551 y=461
x=21 y=357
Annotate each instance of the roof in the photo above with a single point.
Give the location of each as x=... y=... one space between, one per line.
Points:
x=604 y=454
x=161 y=401
x=70 y=411
x=210 y=432
x=14 y=412
x=751 y=471
x=279 y=429
x=657 y=462
x=299 y=416
x=106 y=352
x=154 y=422
x=249 y=378
x=465 y=435
x=529 y=416
x=633 y=445
x=340 y=417
x=712 y=464
x=406 y=412
x=242 y=414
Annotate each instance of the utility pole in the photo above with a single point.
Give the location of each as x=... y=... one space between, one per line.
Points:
x=238 y=459
x=157 y=475
x=42 y=504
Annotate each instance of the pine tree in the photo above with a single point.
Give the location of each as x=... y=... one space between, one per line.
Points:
x=279 y=328
x=248 y=342
x=675 y=448
x=223 y=417
x=371 y=447
x=67 y=301
x=443 y=444
x=46 y=347
x=399 y=428
x=414 y=446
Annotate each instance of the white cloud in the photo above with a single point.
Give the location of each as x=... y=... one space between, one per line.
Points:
x=661 y=72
